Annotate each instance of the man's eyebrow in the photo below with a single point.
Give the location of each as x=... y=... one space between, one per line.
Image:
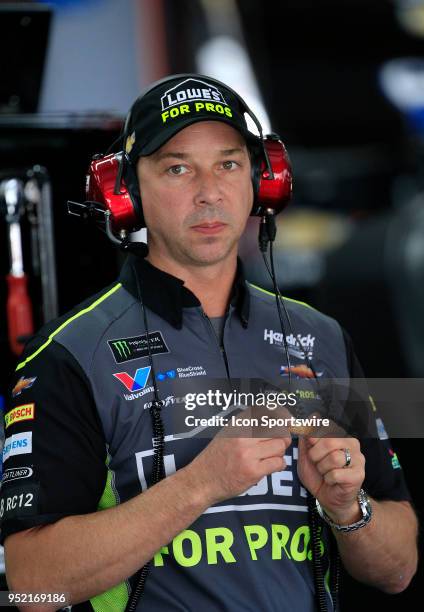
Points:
x=232 y=151
x=179 y=155
x=168 y=154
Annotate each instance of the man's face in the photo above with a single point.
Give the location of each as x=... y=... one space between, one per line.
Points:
x=197 y=194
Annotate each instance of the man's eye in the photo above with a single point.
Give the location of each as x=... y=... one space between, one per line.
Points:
x=177 y=170
x=229 y=165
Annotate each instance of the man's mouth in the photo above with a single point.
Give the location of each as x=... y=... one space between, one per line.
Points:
x=209 y=227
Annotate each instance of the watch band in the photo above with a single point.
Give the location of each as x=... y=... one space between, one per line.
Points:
x=364 y=505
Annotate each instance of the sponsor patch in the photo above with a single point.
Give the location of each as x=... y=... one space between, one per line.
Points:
x=25 y=412
x=165 y=375
x=300 y=371
x=299 y=346
x=395 y=461
x=382 y=433
x=16 y=474
x=186 y=372
x=190 y=371
x=22 y=384
x=19 y=501
x=130 y=143
x=127 y=349
x=135 y=383
x=168 y=401
x=18 y=444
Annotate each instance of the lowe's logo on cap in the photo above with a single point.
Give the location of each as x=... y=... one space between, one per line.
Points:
x=190 y=90
x=18 y=444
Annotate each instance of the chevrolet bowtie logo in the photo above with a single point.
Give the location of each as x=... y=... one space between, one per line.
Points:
x=22 y=384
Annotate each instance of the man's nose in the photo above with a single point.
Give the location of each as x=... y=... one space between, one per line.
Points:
x=209 y=189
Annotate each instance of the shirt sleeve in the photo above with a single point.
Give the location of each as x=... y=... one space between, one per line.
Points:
x=54 y=456
x=384 y=477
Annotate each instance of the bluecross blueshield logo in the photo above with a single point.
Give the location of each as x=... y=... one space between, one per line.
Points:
x=164 y=375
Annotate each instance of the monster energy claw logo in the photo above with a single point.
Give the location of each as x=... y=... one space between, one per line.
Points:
x=122 y=347
x=126 y=349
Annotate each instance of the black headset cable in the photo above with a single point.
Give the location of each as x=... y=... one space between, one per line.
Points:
x=267 y=236
x=158 y=450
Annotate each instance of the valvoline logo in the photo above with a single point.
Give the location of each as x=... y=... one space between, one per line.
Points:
x=136 y=383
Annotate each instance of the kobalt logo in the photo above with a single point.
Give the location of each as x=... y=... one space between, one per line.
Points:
x=298 y=345
x=191 y=89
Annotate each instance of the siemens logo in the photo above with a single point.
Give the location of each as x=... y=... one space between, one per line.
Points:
x=18 y=444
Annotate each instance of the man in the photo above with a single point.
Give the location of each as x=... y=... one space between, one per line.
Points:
x=227 y=528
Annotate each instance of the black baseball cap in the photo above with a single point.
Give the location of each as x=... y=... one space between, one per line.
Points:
x=176 y=102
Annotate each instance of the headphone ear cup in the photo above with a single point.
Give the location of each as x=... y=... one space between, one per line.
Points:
x=272 y=193
x=130 y=179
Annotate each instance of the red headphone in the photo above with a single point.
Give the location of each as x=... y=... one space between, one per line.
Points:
x=112 y=183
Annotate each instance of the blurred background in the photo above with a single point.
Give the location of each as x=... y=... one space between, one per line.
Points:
x=341 y=81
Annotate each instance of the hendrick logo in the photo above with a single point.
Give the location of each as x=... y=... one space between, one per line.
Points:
x=126 y=349
x=298 y=345
x=189 y=90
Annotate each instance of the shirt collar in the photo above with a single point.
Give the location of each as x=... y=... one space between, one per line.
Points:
x=166 y=295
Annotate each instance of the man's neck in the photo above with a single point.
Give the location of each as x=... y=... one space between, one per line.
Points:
x=210 y=284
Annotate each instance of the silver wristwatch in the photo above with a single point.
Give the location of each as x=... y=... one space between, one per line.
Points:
x=364 y=505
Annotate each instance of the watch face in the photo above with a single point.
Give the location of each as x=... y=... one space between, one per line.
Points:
x=364 y=503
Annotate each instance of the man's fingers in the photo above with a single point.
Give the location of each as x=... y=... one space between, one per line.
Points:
x=336 y=459
x=273 y=464
x=352 y=477
x=272 y=447
x=325 y=446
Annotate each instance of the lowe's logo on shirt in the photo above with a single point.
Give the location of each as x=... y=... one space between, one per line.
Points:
x=18 y=444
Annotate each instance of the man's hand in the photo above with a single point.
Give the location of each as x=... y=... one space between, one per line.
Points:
x=229 y=466
x=321 y=470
